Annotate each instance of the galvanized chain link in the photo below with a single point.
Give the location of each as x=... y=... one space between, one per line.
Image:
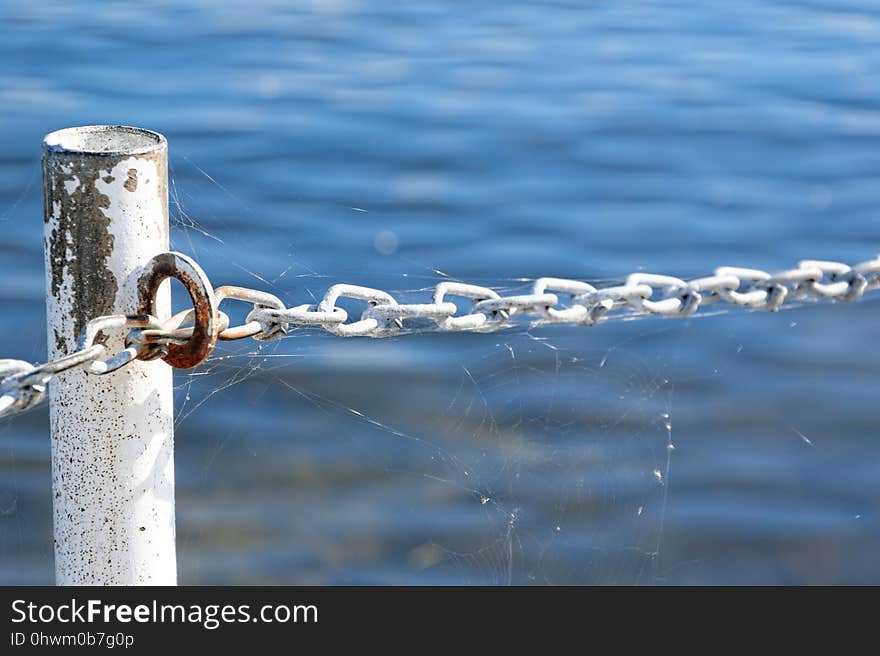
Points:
x=556 y=300
x=551 y=300
x=23 y=385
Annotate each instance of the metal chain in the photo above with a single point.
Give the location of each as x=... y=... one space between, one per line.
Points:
x=552 y=300
x=556 y=300
x=23 y=385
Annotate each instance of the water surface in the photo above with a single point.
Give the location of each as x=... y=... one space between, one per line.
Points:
x=393 y=146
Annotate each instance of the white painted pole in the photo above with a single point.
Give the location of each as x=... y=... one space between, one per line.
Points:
x=106 y=214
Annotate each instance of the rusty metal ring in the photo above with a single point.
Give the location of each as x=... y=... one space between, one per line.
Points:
x=205 y=325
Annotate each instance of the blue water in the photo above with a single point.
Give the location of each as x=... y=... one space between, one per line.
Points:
x=384 y=143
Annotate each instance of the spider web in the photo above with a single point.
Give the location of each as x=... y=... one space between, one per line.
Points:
x=496 y=459
x=538 y=454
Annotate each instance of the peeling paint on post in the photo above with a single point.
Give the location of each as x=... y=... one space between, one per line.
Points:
x=106 y=214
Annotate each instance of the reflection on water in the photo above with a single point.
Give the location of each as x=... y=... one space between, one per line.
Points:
x=392 y=145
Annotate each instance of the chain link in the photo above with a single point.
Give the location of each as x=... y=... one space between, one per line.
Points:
x=551 y=300
x=641 y=293
x=23 y=385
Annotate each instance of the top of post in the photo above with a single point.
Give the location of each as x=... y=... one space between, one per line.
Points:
x=104 y=141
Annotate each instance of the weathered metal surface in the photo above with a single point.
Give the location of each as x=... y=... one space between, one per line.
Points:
x=203 y=337
x=106 y=215
x=249 y=328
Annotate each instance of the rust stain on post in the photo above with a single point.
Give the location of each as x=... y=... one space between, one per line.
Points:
x=74 y=201
x=131 y=182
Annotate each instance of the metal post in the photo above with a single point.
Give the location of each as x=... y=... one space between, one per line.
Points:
x=106 y=214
